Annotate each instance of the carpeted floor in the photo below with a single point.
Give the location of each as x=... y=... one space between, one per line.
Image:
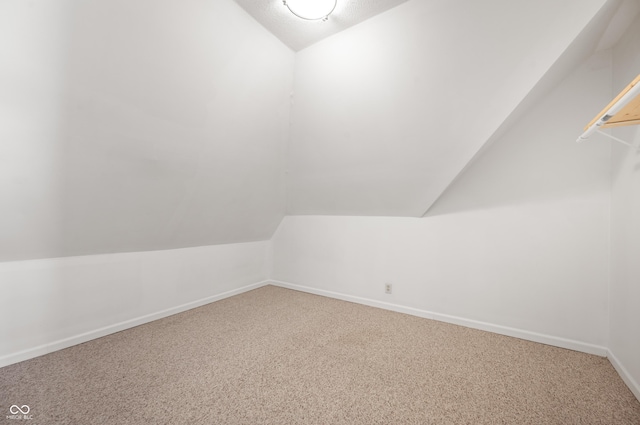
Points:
x=276 y=356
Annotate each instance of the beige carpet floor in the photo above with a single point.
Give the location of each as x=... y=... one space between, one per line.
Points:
x=276 y=356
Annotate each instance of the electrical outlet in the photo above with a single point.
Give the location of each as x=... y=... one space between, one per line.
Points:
x=388 y=288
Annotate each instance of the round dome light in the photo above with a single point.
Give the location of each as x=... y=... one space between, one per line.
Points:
x=311 y=10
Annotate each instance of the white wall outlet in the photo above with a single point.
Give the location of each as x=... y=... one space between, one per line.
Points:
x=388 y=288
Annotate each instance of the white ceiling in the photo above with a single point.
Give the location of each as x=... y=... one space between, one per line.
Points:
x=298 y=33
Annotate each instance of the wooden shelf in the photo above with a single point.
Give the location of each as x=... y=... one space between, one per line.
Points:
x=629 y=115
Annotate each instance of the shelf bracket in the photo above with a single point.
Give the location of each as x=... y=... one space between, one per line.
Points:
x=623 y=110
x=616 y=139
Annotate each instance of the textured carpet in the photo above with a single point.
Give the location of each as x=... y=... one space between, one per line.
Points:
x=276 y=356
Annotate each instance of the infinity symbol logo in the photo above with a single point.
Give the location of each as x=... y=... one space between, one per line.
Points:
x=15 y=409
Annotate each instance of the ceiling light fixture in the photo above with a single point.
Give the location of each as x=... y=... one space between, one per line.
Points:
x=311 y=10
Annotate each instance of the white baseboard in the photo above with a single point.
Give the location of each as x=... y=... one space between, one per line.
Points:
x=117 y=327
x=624 y=374
x=503 y=330
x=498 y=329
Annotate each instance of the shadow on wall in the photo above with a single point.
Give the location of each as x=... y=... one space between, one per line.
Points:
x=123 y=127
x=625 y=158
x=34 y=40
x=132 y=158
x=129 y=127
x=537 y=159
x=158 y=150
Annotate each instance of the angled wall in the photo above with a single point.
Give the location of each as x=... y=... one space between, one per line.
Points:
x=624 y=341
x=387 y=113
x=133 y=125
x=138 y=125
x=519 y=244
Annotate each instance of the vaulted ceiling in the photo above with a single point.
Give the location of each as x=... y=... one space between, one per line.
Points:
x=298 y=34
x=388 y=113
x=131 y=125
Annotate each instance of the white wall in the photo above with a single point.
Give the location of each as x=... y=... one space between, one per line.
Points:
x=624 y=341
x=144 y=125
x=55 y=303
x=388 y=112
x=519 y=244
x=132 y=125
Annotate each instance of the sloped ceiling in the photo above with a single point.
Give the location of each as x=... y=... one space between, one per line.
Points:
x=588 y=50
x=135 y=125
x=132 y=125
x=298 y=34
x=387 y=113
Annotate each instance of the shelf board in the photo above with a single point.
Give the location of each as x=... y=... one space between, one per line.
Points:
x=629 y=115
